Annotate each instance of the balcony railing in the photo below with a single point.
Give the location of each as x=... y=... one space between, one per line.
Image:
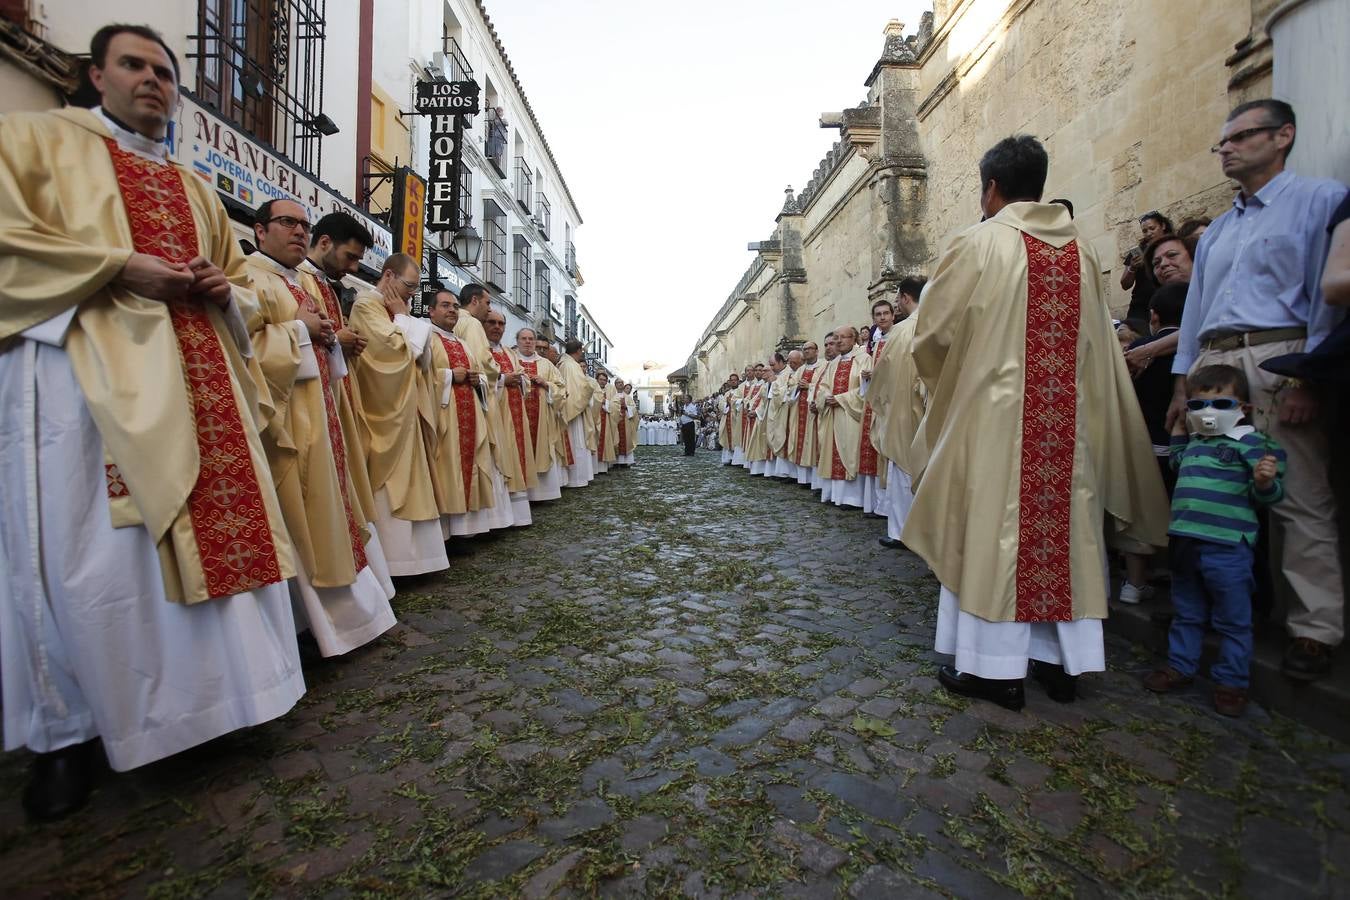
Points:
x=571 y=261
x=494 y=251
x=494 y=146
x=543 y=215
x=456 y=63
x=521 y=290
x=524 y=185
x=542 y=289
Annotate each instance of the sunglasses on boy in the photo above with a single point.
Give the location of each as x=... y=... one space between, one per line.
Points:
x=1213 y=403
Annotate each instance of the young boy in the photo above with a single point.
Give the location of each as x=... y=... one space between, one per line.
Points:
x=1223 y=470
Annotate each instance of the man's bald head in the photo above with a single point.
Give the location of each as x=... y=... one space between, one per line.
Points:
x=795 y=359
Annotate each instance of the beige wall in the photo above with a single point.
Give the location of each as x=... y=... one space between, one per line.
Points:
x=1128 y=96
x=21 y=92
x=837 y=251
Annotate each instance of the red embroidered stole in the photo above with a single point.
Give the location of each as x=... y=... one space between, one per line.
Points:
x=517 y=406
x=464 y=400
x=225 y=506
x=335 y=438
x=532 y=401
x=330 y=302
x=803 y=404
x=622 y=431
x=841 y=376
x=1049 y=412
x=604 y=428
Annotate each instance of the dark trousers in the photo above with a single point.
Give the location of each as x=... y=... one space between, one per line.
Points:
x=1212 y=585
x=687 y=435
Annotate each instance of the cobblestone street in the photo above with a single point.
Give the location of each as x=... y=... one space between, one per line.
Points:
x=683 y=680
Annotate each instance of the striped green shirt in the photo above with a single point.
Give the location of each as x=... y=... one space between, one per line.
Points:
x=1215 y=497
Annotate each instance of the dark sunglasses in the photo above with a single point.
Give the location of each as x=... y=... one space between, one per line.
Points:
x=1215 y=403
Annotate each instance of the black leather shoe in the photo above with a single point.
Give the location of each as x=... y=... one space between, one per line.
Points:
x=1059 y=684
x=1306 y=659
x=892 y=543
x=59 y=783
x=1008 y=694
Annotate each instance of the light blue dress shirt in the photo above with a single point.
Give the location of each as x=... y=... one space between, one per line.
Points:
x=1259 y=266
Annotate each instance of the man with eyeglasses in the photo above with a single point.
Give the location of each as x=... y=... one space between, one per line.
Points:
x=338 y=588
x=142 y=589
x=1255 y=293
x=387 y=394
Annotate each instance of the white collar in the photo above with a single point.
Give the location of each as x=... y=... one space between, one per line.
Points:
x=442 y=332
x=848 y=355
x=531 y=358
x=132 y=142
x=291 y=275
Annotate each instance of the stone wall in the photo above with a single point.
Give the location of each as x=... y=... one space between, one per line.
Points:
x=1128 y=96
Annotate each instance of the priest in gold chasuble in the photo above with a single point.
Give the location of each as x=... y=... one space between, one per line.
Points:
x=391 y=410
x=871 y=463
x=460 y=451
x=606 y=423
x=801 y=428
x=626 y=423
x=896 y=395
x=581 y=469
x=779 y=408
x=131 y=423
x=820 y=475
x=546 y=391
x=508 y=510
x=726 y=425
x=756 y=421
x=516 y=456
x=343 y=602
x=1032 y=440
x=839 y=403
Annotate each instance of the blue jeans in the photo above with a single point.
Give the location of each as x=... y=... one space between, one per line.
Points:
x=1212 y=583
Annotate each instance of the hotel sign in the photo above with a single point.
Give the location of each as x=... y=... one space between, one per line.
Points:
x=447 y=103
x=248 y=173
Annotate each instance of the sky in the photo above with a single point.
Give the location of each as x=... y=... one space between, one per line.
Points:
x=677 y=126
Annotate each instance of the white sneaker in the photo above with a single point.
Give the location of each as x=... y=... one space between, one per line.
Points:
x=1133 y=596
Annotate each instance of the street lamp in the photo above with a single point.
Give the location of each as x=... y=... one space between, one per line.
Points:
x=465 y=245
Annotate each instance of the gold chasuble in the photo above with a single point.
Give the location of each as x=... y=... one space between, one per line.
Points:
x=517 y=455
x=580 y=390
x=627 y=421
x=840 y=427
x=460 y=451
x=757 y=419
x=343 y=393
x=896 y=396
x=303 y=437
x=778 y=413
x=869 y=463
x=801 y=437
x=725 y=430
x=607 y=432
x=541 y=406
x=154 y=375
x=390 y=407
x=1033 y=433
x=592 y=413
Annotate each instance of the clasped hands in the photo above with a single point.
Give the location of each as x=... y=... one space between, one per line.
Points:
x=159 y=279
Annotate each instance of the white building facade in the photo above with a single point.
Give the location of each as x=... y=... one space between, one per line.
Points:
x=512 y=192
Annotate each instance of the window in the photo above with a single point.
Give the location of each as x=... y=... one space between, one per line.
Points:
x=457 y=67
x=543 y=215
x=261 y=67
x=524 y=185
x=570 y=315
x=465 y=216
x=494 y=245
x=543 y=289
x=495 y=129
x=521 y=290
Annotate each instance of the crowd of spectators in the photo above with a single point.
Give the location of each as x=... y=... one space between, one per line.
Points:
x=1234 y=323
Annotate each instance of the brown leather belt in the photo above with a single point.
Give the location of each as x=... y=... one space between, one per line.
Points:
x=1234 y=339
